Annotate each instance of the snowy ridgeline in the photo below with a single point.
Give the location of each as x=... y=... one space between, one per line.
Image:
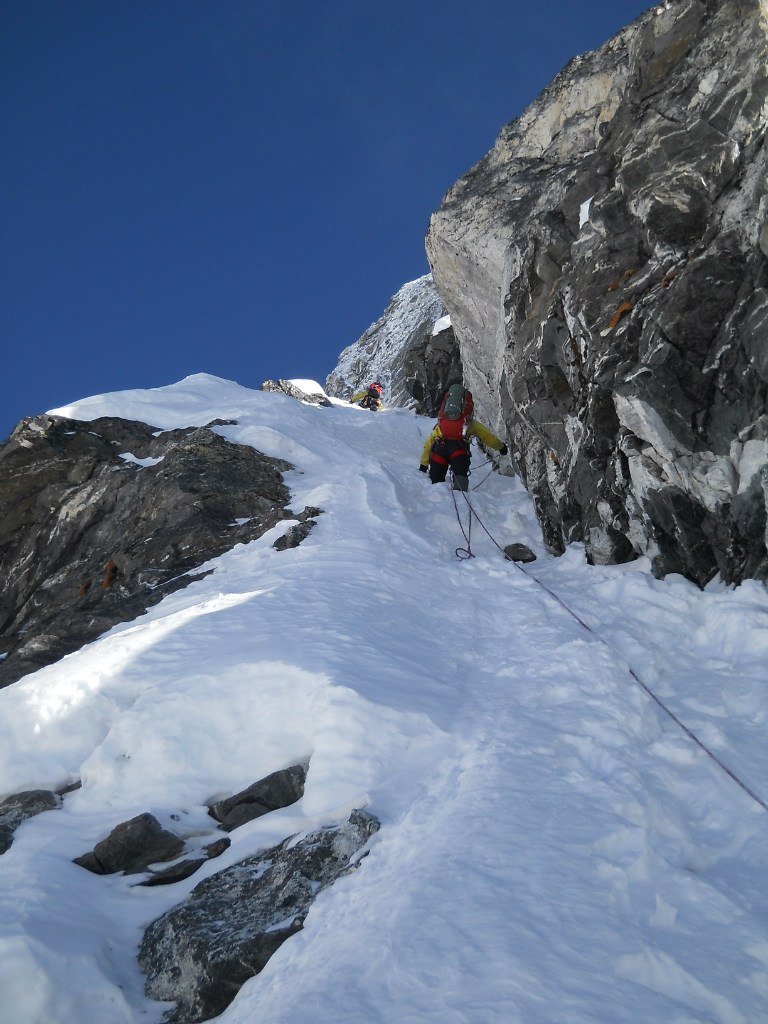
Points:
x=553 y=845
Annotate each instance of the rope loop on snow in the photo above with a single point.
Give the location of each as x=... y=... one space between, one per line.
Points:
x=462 y=553
x=640 y=682
x=473 y=512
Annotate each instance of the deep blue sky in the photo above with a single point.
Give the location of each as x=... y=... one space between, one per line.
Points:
x=238 y=187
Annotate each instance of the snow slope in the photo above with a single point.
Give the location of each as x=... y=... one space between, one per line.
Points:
x=554 y=849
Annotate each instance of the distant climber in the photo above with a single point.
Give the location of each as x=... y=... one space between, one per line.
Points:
x=447 y=446
x=370 y=397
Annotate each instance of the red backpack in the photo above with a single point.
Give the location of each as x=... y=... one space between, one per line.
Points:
x=455 y=410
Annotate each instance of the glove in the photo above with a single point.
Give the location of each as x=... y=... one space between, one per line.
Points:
x=503 y=450
x=422 y=469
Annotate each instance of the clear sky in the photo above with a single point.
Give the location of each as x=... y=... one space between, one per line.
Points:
x=238 y=187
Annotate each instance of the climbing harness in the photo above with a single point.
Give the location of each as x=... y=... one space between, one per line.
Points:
x=464 y=553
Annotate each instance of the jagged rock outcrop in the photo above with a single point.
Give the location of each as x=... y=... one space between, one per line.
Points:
x=199 y=954
x=186 y=866
x=280 y=789
x=430 y=367
x=288 y=387
x=605 y=269
x=132 y=846
x=100 y=520
x=402 y=350
x=17 y=808
x=294 y=535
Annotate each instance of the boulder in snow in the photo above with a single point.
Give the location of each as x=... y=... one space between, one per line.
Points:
x=200 y=953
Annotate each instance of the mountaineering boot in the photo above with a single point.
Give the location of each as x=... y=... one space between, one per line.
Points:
x=460 y=483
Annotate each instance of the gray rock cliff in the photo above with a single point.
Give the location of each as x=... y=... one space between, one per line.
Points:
x=605 y=268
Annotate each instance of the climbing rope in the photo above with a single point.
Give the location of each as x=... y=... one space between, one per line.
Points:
x=643 y=685
x=487 y=476
x=463 y=553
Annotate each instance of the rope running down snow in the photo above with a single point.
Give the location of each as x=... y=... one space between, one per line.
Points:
x=644 y=686
x=464 y=553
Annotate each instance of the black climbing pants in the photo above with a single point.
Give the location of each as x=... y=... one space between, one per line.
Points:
x=445 y=455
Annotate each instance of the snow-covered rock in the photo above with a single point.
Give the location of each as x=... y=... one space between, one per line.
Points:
x=410 y=349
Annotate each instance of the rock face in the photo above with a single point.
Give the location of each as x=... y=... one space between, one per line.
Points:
x=430 y=367
x=100 y=520
x=200 y=953
x=605 y=269
x=280 y=789
x=17 y=808
x=287 y=387
x=402 y=350
x=131 y=847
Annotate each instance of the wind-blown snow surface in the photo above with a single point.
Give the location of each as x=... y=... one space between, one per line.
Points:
x=554 y=849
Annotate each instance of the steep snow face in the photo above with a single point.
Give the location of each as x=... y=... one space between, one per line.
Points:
x=554 y=847
x=380 y=354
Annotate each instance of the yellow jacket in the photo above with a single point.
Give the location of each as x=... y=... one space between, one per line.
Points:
x=360 y=395
x=473 y=429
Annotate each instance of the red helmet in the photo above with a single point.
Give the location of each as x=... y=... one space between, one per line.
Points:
x=377 y=387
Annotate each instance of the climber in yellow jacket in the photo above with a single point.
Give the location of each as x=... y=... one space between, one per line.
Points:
x=370 y=397
x=447 y=446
